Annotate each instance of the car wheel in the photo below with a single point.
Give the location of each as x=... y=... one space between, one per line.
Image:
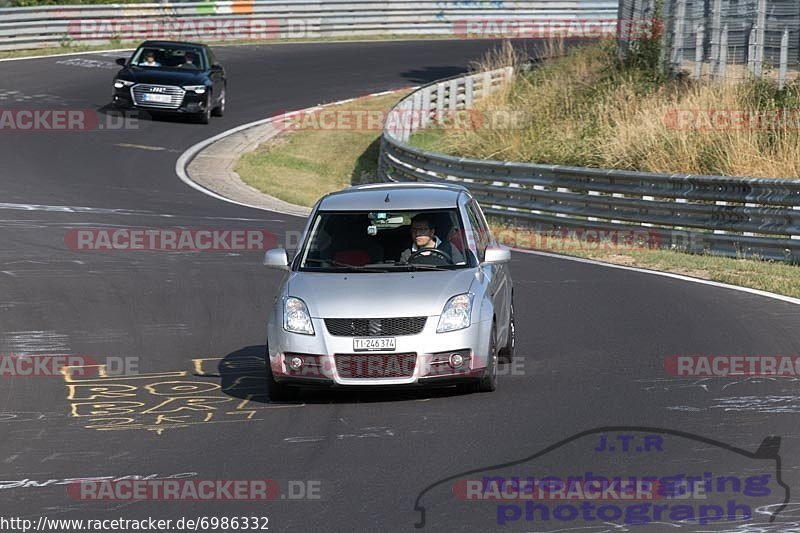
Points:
x=487 y=382
x=220 y=109
x=278 y=392
x=204 y=117
x=507 y=352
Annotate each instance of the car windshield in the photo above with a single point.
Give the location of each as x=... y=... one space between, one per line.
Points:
x=384 y=241
x=177 y=57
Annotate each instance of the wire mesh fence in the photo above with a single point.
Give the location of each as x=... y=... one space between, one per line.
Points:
x=723 y=39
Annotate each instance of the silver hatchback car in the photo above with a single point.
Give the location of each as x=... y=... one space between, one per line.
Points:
x=391 y=285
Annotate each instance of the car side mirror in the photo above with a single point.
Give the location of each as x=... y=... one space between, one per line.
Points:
x=276 y=258
x=216 y=68
x=496 y=255
x=121 y=61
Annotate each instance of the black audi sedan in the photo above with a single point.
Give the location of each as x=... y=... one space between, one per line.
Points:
x=171 y=77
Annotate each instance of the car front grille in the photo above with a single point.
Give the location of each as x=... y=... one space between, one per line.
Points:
x=375 y=327
x=175 y=95
x=375 y=366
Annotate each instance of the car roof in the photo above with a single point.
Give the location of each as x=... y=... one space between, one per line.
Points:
x=394 y=196
x=172 y=43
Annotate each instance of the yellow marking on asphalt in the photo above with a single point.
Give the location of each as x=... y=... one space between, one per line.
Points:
x=252 y=413
x=102 y=374
x=161 y=401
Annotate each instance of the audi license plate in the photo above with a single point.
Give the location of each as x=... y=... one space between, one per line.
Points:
x=374 y=344
x=162 y=98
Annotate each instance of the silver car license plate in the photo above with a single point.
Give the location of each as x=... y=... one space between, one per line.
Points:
x=374 y=344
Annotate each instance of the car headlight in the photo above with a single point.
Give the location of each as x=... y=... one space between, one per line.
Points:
x=457 y=313
x=295 y=316
x=199 y=89
x=121 y=84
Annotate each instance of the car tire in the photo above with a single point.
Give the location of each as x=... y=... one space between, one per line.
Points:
x=506 y=353
x=220 y=109
x=487 y=382
x=278 y=392
x=204 y=117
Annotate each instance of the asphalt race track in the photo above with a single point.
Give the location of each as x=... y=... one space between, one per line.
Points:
x=592 y=340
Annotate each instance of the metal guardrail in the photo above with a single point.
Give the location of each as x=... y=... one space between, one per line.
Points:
x=723 y=215
x=53 y=26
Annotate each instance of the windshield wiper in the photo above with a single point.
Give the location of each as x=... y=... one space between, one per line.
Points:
x=339 y=264
x=419 y=266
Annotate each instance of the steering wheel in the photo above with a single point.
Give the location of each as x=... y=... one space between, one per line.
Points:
x=437 y=251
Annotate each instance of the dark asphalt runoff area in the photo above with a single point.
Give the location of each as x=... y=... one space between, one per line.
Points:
x=591 y=371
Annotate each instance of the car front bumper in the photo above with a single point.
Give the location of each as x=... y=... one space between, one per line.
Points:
x=422 y=359
x=192 y=103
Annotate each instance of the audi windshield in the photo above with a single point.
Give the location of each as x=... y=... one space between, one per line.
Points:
x=182 y=57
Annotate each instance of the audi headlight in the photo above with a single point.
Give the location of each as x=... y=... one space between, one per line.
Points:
x=199 y=89
x=456 y=314
x=296 y=318
x=121 y=84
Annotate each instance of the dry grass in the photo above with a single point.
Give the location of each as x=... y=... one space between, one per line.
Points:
x=587 y=110
x=301 y=166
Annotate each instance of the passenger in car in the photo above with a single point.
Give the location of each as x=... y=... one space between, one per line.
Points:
x=150 y=60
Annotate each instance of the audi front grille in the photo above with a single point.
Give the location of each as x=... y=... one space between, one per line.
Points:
x=175 y=94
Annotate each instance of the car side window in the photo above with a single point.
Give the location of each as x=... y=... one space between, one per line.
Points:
x=211 y=59
x=481 y=236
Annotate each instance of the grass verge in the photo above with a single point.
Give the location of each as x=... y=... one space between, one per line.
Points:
x=326 y=155
x=54 y=51
x=780 y=278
